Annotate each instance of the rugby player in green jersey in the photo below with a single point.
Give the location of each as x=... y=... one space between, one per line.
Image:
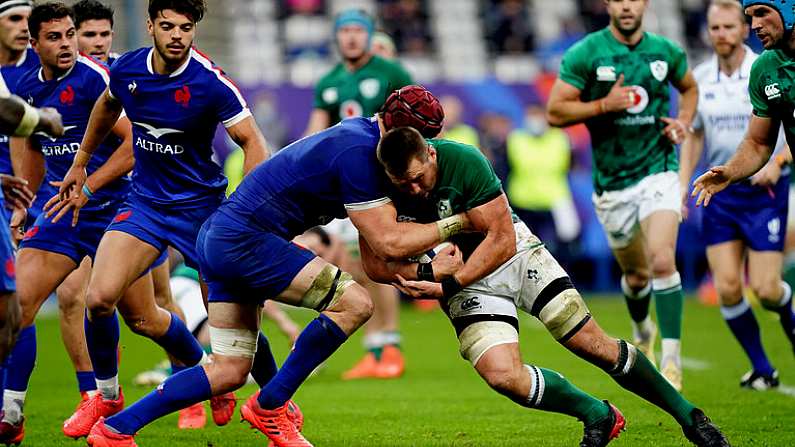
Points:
x=616 y=81
x=507 y=268
x=358 y=86
x=771 y=87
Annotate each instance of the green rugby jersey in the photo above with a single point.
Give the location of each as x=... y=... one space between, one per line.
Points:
x=629 y=145
x=465 y=180
x=344 y=94
x=772 y=90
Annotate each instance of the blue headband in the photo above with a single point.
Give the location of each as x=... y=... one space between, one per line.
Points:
x=354 y=17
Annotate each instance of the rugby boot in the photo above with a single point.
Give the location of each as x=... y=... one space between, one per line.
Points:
x=89 y=412
x=391 y=365
x=365 y=369
x=11 y=434
x=759 y=382
x=703 y=432
x=192 y=417
x=223 y=407
x=601 y=433
x=102 y=436
x=275 y=424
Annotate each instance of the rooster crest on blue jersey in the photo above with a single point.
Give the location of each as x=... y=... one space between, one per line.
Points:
x=172 y=129
x=73 y=96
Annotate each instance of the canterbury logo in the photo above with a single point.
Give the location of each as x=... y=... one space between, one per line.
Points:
x=157 y=133
x=772 y=91
x=65 y=129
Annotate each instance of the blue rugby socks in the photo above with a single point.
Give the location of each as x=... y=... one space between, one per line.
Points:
x=315 y=344
x=178 y=391
x=745 y=328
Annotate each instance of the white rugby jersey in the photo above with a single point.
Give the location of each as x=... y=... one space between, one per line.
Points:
x=724 y=108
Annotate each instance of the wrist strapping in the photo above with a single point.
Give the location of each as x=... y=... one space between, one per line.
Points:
x=449 y=226
x=82 y=157
x=450 y=287
x=425 y=272
x=28 y=123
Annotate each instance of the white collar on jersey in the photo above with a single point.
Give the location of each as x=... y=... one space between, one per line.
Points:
x=41 y=72
x=22 y=59
x=742 y=73
x=177 y=72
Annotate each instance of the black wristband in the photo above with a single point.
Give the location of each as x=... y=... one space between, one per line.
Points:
x=450 y=287
x=425 y=272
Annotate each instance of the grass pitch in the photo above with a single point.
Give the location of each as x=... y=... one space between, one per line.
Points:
x=442 y=402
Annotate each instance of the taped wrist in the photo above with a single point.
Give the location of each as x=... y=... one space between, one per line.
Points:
x=451 y=287
x=449 y=226
x=28 y=123
x=425 y=272
x=82 y=158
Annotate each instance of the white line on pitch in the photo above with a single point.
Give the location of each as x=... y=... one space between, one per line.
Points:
x=786 y=390
x=695 y=364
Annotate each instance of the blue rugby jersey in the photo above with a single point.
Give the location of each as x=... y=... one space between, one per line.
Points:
x=12 y=74
x=174 y=120
x=73 y=95
x=313 y=181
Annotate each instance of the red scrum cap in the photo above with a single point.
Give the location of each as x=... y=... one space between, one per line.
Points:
x=413 y=106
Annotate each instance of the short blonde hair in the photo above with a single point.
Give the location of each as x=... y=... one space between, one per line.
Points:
x=729 y=4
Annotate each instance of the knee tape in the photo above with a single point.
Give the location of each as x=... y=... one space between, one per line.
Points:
x=327 y=288
x=564 y=314
x=477 y=338
x=233 y=342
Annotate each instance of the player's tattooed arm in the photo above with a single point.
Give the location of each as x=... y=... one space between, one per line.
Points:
x=247 y=135
x=394 y=241
x=754 y=151
x=566 y=108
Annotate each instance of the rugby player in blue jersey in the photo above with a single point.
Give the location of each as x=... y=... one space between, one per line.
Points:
x=247 y=257
x=174 y=97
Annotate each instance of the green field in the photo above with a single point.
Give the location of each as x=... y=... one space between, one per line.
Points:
x=442 y=402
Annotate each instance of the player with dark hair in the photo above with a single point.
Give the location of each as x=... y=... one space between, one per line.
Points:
x=246 y=256
x=174 y=97
x=617 y=82
x=358 y=86
x=94 y=22
x=770 y=87
x=507 y=268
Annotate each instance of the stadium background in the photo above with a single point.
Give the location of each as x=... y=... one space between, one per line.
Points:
x=496 y=56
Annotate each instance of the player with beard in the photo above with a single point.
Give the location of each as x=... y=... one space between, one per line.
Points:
x=94 y=23
x=358 y=86
x=174 y=96
x=616 y=81
x=770 y=87
x=748 y=220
